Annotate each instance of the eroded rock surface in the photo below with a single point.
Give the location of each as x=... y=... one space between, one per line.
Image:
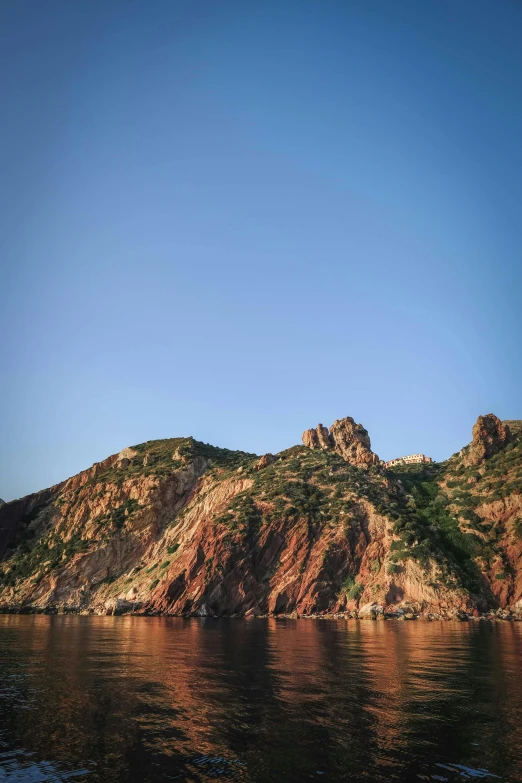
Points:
x=350 y=440
x=266 y=459
x=318 y=438
x=490 y=435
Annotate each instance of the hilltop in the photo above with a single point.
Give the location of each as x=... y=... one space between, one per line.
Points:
x=177 y=526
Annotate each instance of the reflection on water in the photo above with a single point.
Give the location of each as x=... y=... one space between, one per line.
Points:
x=159 y=699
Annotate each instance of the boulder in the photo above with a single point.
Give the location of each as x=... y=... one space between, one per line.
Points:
x=264 y=461
x=115 y=606
x=125 y=456
x=371 y=611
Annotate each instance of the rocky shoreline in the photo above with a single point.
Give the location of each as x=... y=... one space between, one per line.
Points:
x=368 y=612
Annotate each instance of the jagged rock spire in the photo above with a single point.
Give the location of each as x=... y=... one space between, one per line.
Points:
x=350 y=440
x=490 y=435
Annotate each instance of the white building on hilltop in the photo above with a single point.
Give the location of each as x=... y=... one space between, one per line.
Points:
x=411 y=459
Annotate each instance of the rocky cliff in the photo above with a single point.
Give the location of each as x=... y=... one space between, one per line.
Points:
x=181 y=527
x=490 y=435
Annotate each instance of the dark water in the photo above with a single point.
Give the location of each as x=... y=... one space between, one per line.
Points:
x=162 y=699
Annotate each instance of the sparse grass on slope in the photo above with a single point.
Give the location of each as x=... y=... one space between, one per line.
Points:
x=161 y=457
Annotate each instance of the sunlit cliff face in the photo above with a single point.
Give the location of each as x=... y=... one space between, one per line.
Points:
x=180 y=527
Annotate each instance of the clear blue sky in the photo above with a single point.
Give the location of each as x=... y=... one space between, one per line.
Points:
x=235 y=219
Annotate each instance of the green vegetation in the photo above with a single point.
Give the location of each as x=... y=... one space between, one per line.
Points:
x=116 y=517
x=161 y=458
x=242 y=516
x=355 y=591
x=443 y=523
x=154 y=584
x=45 y=554
x=351 y=588
x=347 y=585
x=429 y=530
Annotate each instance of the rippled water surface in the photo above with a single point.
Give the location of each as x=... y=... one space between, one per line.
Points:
x=160 y=699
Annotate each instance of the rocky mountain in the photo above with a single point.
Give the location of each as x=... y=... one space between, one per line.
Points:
x=181 y=527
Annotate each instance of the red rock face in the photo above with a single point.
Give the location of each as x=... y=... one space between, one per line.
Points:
x=504 y=571
x=490 y=435
x=350 y=440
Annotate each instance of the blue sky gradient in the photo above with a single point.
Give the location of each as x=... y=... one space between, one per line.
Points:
x=235 y=220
